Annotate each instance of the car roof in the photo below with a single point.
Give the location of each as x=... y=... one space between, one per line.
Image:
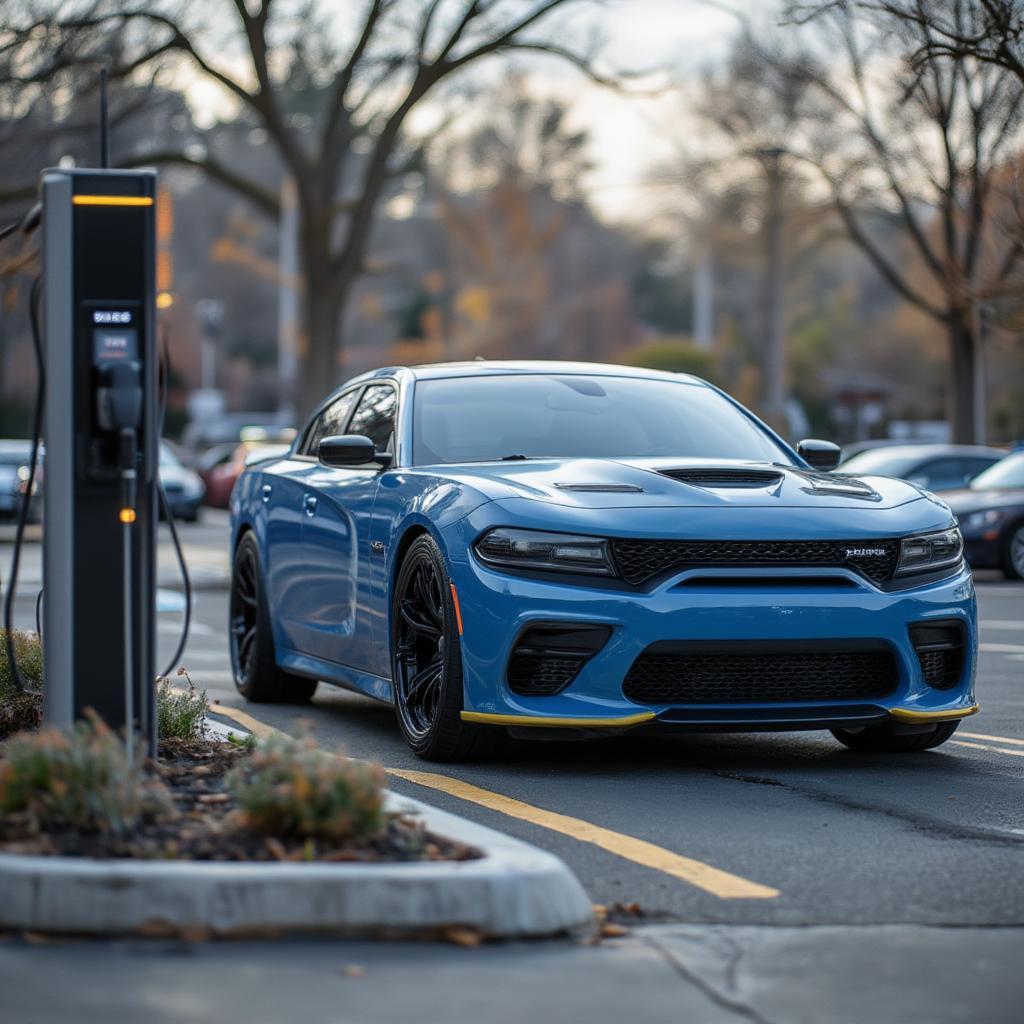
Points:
x=506 y=367
x=930 y=451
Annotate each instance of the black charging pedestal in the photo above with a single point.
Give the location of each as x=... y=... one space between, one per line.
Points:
x=102 y=448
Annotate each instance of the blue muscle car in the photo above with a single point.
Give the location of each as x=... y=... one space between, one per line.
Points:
x=588 y=549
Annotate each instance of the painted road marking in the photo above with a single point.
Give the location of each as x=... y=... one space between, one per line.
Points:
x=1001 y=624
x=711 y=879
x=986 y=736
x=1002 y=648
x=985 y=746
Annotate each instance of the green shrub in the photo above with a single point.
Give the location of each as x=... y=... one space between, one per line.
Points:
x=675 y=356
x=29 y=653
x=288 y=787
x=180 y=714
x=80 y=779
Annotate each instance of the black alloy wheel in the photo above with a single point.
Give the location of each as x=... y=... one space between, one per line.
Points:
x=883 y=739
x=257 y=676
x=426 y=661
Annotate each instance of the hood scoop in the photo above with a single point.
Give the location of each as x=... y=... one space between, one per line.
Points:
x=712 y=477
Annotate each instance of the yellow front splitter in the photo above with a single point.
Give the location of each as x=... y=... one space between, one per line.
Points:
x=908 y=715
x=539 y=721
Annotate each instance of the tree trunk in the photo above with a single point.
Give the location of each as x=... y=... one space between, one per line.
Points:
x=966 y=393
x=319 y=373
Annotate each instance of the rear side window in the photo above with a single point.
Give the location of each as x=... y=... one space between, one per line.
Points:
x=375 y=416
x=330 y=422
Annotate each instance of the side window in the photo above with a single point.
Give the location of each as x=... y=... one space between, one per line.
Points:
x=330 y=422
x=375 y=416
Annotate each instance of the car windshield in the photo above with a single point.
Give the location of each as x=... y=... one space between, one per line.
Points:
x=483 y=419
x=881 y=462
x=168 y=460
x=1007 y=473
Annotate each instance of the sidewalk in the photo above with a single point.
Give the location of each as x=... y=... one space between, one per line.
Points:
x=703 y=975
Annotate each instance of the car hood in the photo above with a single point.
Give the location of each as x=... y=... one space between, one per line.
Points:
x=679 y=483
x=968 y=500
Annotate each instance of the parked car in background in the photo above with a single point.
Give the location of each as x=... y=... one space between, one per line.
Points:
x=991 y=514
x=231 y=429
x=184 y=489
x=14 y=473
x=221 y=476
x=935 y=467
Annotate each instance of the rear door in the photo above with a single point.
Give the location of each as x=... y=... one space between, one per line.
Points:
x=337 y=507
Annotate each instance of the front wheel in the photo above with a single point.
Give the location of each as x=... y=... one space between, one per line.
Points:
x=883 y=739
x=253 y=664
x=426 y=660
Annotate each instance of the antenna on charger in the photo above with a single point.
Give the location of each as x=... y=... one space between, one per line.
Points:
x=104 y=126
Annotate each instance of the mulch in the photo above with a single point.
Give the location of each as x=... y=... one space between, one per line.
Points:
x=207 y=825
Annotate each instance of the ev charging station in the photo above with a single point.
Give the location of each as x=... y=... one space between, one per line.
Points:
x=100 y=505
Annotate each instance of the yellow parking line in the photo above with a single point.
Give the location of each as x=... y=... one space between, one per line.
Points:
x=711 y=879
x=256 y=727
x=986 y=746
x=703 y=876
x=986 y=736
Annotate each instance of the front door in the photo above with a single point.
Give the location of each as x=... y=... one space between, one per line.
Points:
x=336 y=508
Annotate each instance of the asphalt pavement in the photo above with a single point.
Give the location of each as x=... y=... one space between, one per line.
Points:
x=775 y=874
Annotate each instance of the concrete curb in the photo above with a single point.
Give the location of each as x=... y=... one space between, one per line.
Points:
x=514 y=891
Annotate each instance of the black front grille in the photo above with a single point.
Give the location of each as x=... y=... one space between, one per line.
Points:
x=548 y=656
x=725 y=477
x=762 y=673
x=940 y=650
x=641 y=560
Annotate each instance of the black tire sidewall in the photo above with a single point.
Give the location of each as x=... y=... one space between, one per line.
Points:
x=446 y=729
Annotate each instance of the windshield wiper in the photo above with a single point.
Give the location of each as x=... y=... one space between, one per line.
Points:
x=515 y=458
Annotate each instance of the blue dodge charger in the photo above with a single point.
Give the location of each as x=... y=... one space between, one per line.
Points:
x=586 y=549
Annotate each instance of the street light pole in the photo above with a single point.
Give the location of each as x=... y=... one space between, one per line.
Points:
x=773 y=389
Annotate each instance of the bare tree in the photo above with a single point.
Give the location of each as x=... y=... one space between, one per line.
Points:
x=360 y=80
x=990 y=31
x=924 y=144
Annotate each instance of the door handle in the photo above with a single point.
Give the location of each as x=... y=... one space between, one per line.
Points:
x=265 y=491
x=310 y=504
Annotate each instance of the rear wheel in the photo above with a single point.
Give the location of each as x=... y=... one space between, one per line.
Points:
x=426 y=661
x=1013 y=553
x=257 y=676
x=883 y=739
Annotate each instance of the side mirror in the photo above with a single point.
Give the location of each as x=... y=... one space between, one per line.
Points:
x=819 y=454
x=350 y=450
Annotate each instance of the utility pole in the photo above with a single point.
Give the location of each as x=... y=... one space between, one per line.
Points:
x=703 y=298
x=773 y=383
x=288 y=298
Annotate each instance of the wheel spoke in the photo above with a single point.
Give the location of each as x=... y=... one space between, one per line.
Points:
x=424 y=590
x=246 y=645
x=421 y=683
x=416 y=622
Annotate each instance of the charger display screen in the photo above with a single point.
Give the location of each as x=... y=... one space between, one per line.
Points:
x=114 y=345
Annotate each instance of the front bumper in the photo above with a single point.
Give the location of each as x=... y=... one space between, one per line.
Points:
x=703 y=605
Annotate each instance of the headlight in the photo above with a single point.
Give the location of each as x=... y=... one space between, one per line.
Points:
x=928 y=552
x=533 y=549
x=977 y=521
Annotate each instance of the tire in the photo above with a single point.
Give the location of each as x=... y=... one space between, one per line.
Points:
x=426 y=661
x=883 y=739
x=251 y=638
x=1013 y=552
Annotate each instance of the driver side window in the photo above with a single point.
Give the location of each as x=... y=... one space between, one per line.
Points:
x=330 y=422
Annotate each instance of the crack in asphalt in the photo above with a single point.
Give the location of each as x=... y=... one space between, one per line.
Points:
x=719 y=998
x=929 y=826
